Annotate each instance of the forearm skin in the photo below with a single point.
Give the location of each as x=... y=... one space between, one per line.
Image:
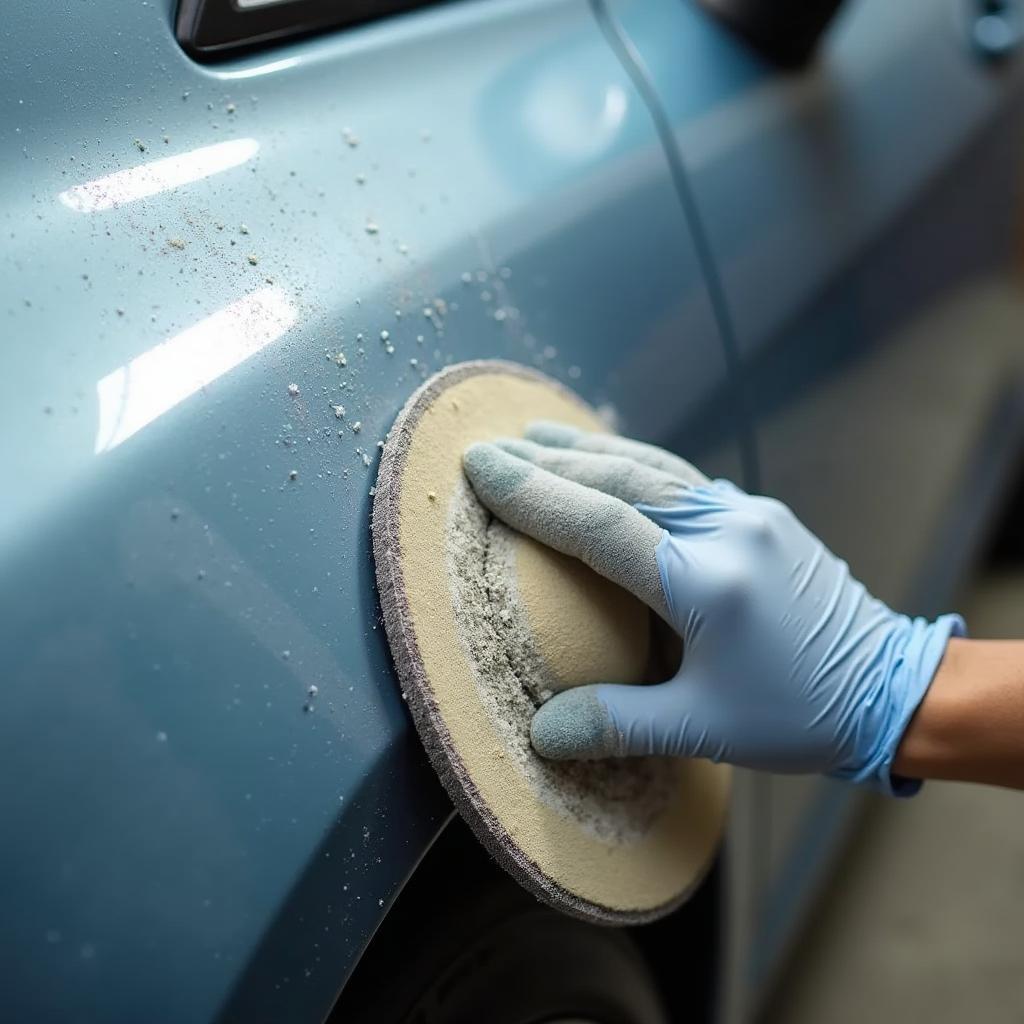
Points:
x=970 y=725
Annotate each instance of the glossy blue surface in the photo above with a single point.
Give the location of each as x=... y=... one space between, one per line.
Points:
x=211 y=789
x=192 y=831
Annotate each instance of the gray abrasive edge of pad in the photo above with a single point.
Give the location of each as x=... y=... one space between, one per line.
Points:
x=418 y=693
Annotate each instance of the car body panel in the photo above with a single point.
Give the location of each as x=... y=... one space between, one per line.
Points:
x=863 y=217
x=212 y=790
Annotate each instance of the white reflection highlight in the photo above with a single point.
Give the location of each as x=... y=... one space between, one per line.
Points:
x=259 y=3
x=615 y=104
x=261 y=69
x=133 y=396
x=148 y=179
x=571 y=123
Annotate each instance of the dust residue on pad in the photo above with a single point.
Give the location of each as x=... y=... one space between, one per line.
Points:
x=484 y=623
x=614 y=799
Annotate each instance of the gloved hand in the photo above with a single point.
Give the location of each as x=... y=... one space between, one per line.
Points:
x=789 y=664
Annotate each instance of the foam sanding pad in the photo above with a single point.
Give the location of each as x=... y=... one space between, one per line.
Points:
x=485 y=624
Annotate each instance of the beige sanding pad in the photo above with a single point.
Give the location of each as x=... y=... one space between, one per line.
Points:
x=485 y=624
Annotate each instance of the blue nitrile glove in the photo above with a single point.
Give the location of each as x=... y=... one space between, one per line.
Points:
x=789 y=664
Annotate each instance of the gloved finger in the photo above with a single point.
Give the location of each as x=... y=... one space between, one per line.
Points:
x=611 y=720
x=561 y=435
x=603 y=532
x=574 y=725
x=613 y=474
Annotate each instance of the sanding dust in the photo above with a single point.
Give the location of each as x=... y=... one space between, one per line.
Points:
x=615 y=800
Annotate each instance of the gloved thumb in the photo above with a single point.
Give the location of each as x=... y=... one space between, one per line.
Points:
x=609 y=720
x=575 y=725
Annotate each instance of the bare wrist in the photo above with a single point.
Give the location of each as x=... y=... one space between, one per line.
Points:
x=970 y=724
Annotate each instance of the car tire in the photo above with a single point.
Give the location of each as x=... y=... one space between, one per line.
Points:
x=486 y=952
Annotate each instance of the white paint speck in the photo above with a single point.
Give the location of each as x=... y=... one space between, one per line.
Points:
x=293 y=390
x=384 y=335
x=371 y=227
x=339 y=411
x=357 y=426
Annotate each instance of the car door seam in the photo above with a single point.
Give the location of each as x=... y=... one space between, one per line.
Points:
x=634 y=66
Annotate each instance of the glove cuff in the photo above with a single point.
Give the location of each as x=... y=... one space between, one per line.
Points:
x=918 y=662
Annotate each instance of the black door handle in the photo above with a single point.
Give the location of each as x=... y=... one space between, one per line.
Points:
x=785 y=31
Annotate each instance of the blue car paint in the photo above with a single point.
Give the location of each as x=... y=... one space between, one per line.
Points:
x=862 y=214
x=796 y=174
x=211 y=789
x=188 y=840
